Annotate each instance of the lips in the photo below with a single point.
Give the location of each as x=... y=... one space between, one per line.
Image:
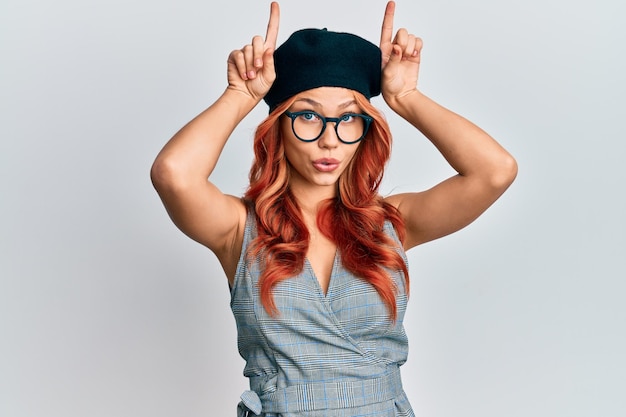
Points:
x=326 y=164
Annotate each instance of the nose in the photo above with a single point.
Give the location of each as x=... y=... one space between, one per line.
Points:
x=329 y=138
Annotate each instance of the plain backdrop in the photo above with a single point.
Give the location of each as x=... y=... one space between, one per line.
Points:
x=107 y=310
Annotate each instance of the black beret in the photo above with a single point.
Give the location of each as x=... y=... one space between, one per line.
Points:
x=313 y=58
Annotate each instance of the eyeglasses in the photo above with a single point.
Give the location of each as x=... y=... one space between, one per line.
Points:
x=308 y=126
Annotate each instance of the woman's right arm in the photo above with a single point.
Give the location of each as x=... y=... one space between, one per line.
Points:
x=180 y=175
x=181 y=170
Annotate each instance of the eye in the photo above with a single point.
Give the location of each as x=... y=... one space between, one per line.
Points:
x=348 y=117
x=309 y=116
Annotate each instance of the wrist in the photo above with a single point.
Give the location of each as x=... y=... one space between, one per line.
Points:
x=402 y=103
x=239 y=101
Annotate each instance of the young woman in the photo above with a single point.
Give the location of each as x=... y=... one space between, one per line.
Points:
x=314 y=256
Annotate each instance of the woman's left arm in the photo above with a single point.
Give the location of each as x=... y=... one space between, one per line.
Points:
x=485 y=169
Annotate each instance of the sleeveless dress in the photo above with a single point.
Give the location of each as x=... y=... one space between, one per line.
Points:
x=325 y=355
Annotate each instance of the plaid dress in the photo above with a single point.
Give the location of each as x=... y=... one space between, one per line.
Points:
x=325 y=355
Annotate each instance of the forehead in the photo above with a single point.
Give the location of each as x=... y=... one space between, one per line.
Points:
x=326 y=98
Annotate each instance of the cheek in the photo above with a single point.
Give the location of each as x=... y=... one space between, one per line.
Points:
x=290 y=148
x=351 y=160
x=352 y=152
x=295 y=154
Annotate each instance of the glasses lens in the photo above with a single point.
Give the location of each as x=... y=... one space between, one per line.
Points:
x=351 y=127
x=307 y=125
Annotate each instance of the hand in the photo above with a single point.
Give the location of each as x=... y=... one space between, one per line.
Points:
x=400 y=59
x=251 y=68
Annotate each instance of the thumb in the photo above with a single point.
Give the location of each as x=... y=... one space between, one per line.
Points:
x=268 y=65
x=396 y=54
x=268 y=58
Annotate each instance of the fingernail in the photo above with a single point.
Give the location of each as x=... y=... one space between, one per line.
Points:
x=251 y=74
x=258 y=63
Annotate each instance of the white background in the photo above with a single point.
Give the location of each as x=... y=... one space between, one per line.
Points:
x=107 y=310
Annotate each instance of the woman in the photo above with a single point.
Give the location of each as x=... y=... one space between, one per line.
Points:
x=314 y=256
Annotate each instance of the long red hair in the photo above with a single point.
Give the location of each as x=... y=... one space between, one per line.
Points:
x=354 y=219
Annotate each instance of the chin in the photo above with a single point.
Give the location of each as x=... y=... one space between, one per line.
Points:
x=326 y=180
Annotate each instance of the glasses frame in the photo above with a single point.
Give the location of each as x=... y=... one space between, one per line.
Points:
x=367 y=119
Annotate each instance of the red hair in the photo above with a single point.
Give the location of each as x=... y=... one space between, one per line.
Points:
x=353 y=220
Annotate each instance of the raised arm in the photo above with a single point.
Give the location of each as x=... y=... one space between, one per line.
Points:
x=485 y=169
x=181 y=170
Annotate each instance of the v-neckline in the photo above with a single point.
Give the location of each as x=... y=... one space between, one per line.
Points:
x=313 y=276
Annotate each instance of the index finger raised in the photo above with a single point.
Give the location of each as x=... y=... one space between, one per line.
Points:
x=386 y=32
x=272 y=26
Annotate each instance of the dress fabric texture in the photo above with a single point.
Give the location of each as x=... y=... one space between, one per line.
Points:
x=333 y=355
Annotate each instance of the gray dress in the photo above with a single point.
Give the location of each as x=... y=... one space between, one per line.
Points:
x=324 y=355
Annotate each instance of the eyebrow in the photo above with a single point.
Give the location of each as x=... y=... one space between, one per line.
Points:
x=318 y=105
